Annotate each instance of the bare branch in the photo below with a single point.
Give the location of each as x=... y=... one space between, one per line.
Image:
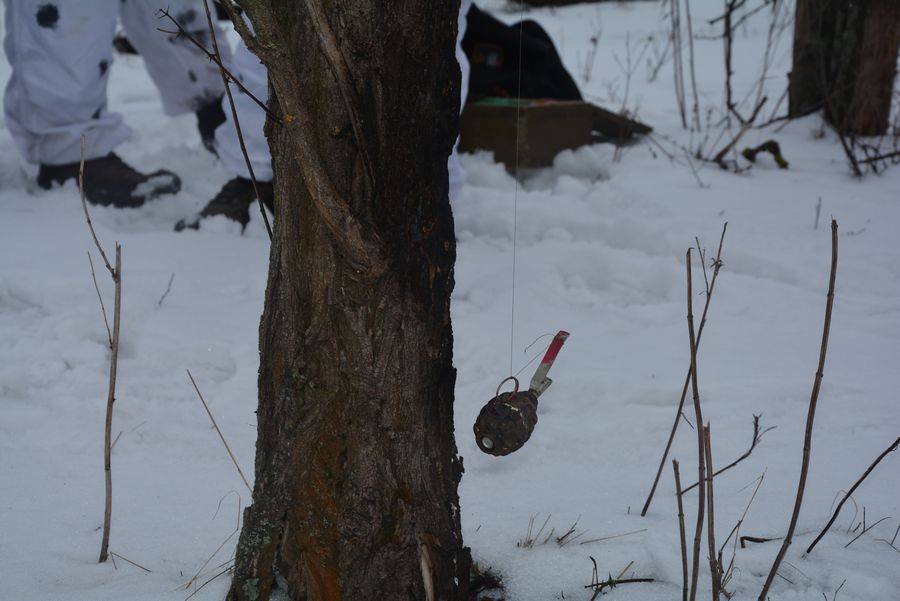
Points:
x=234 y=117
x=87 y=215
x=881 y=157
x=810 y=418
x=695 y=109
x=746 y=125
x=757 y=436
x=866 y=530
x=110 y=400
x=756 y=539
x=698 y=414
x=684 y=562
x=113 y=339
x=217 y=59
x=717 y=265
x=837 y=511
x=241 y=27
x=715 y=569
x=600 y=585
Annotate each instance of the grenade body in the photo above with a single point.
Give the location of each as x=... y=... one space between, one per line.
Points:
x=506 y=422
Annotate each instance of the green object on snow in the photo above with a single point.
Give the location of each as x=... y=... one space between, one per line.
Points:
x=502 y=101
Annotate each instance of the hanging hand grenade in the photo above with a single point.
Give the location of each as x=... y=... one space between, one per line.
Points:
x=506 y=422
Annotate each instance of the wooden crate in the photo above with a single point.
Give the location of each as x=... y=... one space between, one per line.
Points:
x=546 y=127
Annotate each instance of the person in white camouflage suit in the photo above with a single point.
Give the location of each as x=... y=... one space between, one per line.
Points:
x=61 y=53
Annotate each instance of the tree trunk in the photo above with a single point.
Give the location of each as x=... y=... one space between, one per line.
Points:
x=845 y=59
x=356 y=463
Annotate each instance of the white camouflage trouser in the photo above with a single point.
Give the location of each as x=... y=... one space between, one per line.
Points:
x=252 y=73
x=61 y=51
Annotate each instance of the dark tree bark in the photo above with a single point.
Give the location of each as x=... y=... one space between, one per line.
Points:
x=356 y=463
x=845 y=59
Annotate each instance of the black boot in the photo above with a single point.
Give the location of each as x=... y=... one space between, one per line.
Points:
x=209 y=117
x=234 y=201
x=110 y=181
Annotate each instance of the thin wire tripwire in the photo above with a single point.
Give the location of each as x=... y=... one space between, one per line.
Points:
x=512 y=307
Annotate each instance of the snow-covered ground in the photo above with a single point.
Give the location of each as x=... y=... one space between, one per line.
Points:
x=601 y=242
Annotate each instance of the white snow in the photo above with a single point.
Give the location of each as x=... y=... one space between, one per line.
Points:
x=601 y=240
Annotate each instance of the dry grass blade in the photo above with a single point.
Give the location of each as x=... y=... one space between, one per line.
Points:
x=200 y=588
x=166 y=293
x=728 y=574
x=866 y=530
x=570 y=535
x=125 y=559
x=237 y=528
x=890 y=543
x=625 y=569
x=219 y=432
x=614 y=536
x=527 y=542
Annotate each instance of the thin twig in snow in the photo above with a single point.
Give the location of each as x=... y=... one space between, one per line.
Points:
x=810 y=418
x=113 y=338
x=698 y=415
x=599 y=585
x=216 y=58
x=891 y=542
x=684 y=562
x=850 y=492
x=714 y=566
x=757 y=436
x=717 y=265
x=677 y=60
x=866 y=530
x=100 y=298
x=695 y=109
